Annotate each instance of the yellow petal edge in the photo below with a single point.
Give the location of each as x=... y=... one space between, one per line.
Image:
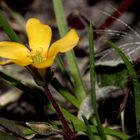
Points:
x=16 y=52
x=39 y=35
x=68 y=42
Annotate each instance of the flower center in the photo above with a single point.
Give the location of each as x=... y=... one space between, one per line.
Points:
x=37 y=56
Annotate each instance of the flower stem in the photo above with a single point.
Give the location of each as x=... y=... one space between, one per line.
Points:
x=67 y=133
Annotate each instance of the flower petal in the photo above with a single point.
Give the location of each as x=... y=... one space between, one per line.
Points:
x=44 y=64
x=39 y=35
x=68 y=42
x=16 y=52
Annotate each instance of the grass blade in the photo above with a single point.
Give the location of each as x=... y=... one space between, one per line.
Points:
x=89 y=131
x=92 y=79
x=7 y=28
x=135 y=81
x=69 y=97
x=79 y=125
x=29 y=90
x=63 y=28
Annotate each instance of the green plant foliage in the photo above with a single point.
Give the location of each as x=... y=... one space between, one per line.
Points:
x=89 y=131
x=7 y=28
x=79 y=88
x=135 y=81
x=68 y=96
x=29 y=90
x=79 y=126
x=116 y=76
x=108 y=76
x=42 y=128
x=92 y=80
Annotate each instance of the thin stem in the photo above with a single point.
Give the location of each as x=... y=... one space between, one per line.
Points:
x=68 y=133
x=70 y=56
x=92 y=79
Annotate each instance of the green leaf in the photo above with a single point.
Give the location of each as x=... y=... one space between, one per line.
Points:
x=68 y=96
x=135 y=81
x=79 y=126
x=42 y=128
x=89 y=131
x=7 y=28
x=30 y=90
x=92 y=80
x=28 y=132
x=63 y=28
x=112 y=75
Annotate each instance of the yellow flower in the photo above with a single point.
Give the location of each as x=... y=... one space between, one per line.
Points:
x=40 y=54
